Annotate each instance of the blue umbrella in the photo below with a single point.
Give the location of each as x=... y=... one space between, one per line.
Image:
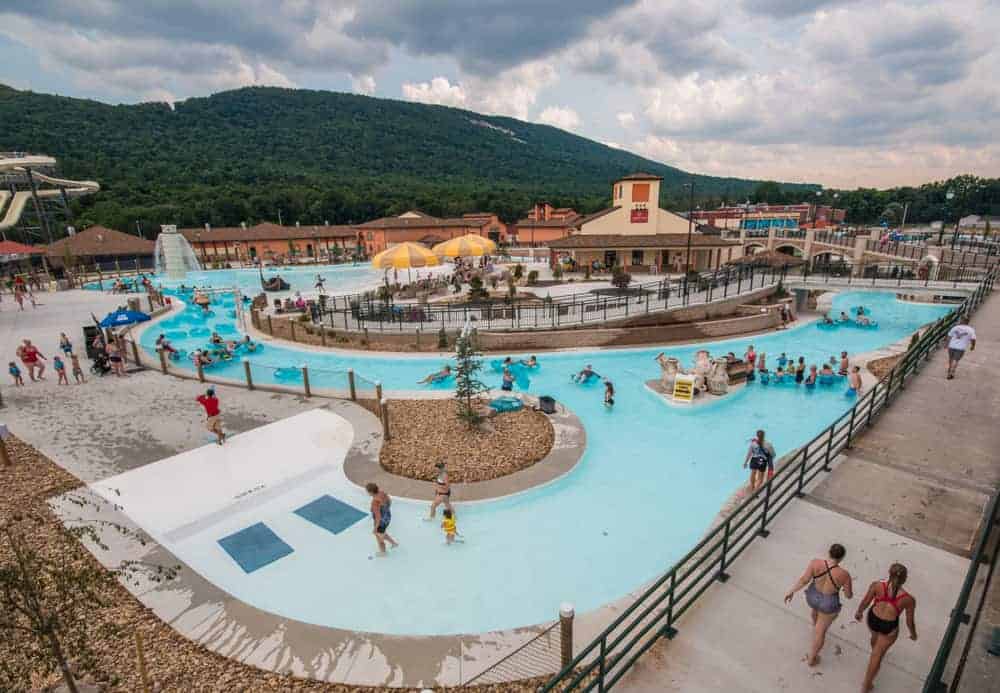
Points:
x=123 y=317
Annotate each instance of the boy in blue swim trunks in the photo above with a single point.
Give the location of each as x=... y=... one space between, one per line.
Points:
x=854 y=382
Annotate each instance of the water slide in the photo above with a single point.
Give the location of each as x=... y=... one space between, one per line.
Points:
x=19 y=164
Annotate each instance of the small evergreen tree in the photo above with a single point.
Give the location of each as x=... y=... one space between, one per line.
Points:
x=468 y=387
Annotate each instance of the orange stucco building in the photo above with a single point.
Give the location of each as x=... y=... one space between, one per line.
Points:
x=270 y=242
x=417 y=227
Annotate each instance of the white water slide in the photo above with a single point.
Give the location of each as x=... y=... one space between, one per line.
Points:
x=21 y=164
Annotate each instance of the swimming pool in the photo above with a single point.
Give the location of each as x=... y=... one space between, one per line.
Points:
x=651 y=480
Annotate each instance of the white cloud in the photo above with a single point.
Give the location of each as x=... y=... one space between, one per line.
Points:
x=560 y=117
x=365 y=84
x=626 y=119
x=438 y=91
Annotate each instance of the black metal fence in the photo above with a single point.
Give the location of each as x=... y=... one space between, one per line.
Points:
x=949 y=663
x=655 y=614
x=540 y=656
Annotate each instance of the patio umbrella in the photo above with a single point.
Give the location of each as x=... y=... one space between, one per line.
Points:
x=405 y=256
x=122 y=317
x=465 y=246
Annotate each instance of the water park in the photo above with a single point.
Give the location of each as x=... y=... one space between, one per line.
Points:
x=580 y=479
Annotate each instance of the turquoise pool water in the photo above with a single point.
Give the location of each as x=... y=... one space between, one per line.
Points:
x=652 y=478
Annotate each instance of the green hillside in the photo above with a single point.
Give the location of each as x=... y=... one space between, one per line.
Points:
x=315 y=156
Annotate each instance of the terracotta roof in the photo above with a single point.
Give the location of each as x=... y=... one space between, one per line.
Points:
x=423 y=222
x=655 y=240
x=568 y=223
x=640 y=176
x=267 y=232
x=98 y=240
x=13 y=248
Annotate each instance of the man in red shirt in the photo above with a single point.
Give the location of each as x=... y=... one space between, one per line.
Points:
x=212 y=422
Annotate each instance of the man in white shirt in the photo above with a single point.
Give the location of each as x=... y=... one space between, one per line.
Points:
x=961 y=338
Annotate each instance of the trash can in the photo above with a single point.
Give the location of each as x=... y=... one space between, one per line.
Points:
x=134 y=304
x=547 y=404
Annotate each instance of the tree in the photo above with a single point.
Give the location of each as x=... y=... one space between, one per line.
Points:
x=47 y=596
x=620 y=278
x=468 y=387
x=892 y=214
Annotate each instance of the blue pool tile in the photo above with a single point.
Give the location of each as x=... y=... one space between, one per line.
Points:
x=330 y=514
x=255 y=547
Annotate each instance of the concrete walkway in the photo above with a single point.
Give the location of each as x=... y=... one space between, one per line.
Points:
x=913 y=489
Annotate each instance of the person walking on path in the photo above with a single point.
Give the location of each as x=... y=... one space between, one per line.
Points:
x=888 y=601
x=442 y=491
x=760 y=458
x=825 y=579
x=29 y=355
x=212 y=422
x=961 y=338
x=381 y=509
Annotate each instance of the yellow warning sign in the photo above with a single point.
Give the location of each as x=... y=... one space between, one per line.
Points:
x=684 y=388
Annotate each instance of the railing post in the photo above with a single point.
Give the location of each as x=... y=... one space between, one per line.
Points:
x=763 y=531
x=291 y=326
x=566 y=615
x=378 y=398
x=246 y=372
x=201 y=370
x=384 y=407
x=163 y=361
x=829 y=448
x=670 y=632
x=850 y=427
x=602 y=665
x=270 y=326
x=871 y=405
x=802 y=472
x=135 y=353
x=722 y=575
x=350 y=384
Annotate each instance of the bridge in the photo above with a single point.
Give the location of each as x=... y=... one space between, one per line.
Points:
x=823 y=247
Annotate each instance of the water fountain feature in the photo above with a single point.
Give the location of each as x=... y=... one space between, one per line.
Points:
x=173 y=254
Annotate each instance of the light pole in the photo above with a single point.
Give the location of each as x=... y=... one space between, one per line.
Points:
x=950 y=195
x=687 y=261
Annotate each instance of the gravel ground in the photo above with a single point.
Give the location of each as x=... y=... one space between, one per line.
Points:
x=174 y=663
x=881 y=367
x=425 y=432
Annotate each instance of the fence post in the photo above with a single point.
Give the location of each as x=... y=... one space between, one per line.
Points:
x=871 y=405
x=384 y=407
x=670 y=632
x=246 y=372
x=135 y=353
x=350 y=383
x=802 y=472
x=378 y=398
x=149 y=298
x=163 y=361
x=850 y=428
x=322 y=334
x=201 y=370
x=305 y=380
x=763 y=531
x=722 y=575
x=566 y=615
x=291 y=326
x=270 y=327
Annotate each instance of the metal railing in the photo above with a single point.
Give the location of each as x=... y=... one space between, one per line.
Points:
x=364 y=313
x=540 y=656
x=655 y=614
x=935 y=681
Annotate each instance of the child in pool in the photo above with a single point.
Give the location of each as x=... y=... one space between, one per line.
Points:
x=811 y=378
x=845 y=365
x=609 y=393
x=783 y=360
x=448 y=525
x=530 y=363
x=779 y=375
x=854 y=382
x=15 y=373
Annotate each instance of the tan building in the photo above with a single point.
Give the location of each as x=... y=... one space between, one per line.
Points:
x=637 y=234
x=270 y=242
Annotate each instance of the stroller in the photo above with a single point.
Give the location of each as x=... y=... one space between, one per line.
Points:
x=100 y=365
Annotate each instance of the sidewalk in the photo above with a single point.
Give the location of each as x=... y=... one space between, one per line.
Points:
x=913 y=489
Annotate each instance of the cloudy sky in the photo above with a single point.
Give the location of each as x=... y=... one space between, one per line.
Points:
x=839 y=92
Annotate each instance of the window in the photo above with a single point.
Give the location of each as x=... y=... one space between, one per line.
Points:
x=640 y=192
x=637 y=257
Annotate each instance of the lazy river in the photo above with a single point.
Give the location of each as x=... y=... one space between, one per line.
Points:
x=651 y=480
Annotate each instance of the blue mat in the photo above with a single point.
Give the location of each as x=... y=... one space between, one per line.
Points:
x=330 y=514
x=255 y=547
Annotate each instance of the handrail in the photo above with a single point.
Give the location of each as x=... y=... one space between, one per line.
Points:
x=484 y=675
x=607 y=658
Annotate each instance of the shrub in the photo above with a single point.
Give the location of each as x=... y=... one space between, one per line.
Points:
x=518 y=271
x=620 y=278
x=532 y=277
x=557 y=272
x=442 y=338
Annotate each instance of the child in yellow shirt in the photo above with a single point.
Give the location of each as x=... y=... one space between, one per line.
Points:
x=448 y=525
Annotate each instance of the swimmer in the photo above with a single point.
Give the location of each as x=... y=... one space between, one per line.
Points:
x=861 y=310
x=609 y=393
x=436 y=377
x=854 y=382
x=248 y=343
x=811 y=378
x=779 y=375
x=532 y=362
x=320 y=281
x=586 y=374
x=783 y=360
x=826 y=370
x=827 y=320
x=508 y=380
x=844 y=317
x=863 y=320
x=845 y=365
x=216 y=338
x=762 y=362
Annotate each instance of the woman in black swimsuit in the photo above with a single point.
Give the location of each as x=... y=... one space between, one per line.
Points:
x=825 y=580
x=888 y=601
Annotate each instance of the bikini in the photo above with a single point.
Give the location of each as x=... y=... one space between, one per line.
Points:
x=820 y=601
x=880 y=625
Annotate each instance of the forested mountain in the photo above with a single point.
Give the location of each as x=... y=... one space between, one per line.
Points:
x=244 y=155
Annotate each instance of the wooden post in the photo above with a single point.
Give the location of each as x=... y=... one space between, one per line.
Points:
x=246 y=371
x=140 y=659
x=384 y=406
x=305 y=381
x=270 y=327
x=135 y=352
x=566 y=614
x=201 y=370
x=322 y=335
x=378 y=398
x=350 y=383
x=149 y=297
x=291 y=325
x=418 y=339
x=163 y=360
x=4 y=455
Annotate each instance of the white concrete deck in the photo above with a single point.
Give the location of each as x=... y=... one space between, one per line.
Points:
x=195 y=488
x=741 y=637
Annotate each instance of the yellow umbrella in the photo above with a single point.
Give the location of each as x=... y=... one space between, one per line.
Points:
x=405 y=256
x=465 y=246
